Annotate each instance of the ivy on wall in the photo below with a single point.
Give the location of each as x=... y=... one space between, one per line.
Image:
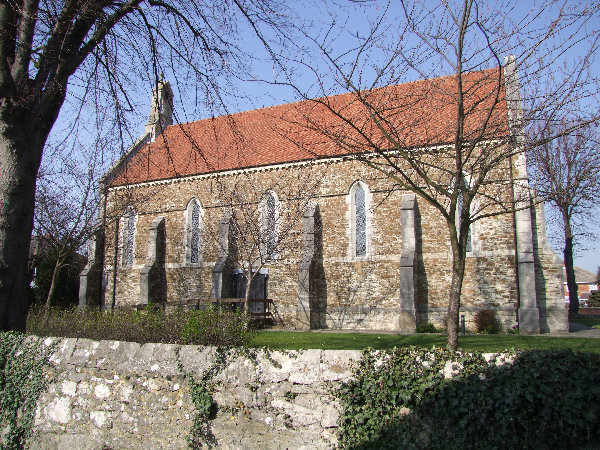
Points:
x=419 y=398
x=22 y=381
x=201 y=390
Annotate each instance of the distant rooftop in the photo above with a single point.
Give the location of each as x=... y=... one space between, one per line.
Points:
x=583 y=276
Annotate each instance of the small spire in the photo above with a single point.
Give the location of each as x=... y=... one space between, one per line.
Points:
x=161 y=109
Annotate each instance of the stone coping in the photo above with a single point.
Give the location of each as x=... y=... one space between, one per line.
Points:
x=302 y=367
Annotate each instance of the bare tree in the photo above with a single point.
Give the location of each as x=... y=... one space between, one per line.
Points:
x=264 y=216
x=98 y=50
x=67 y=206
x=564 y=160
x=456 y=141
x=63 y=228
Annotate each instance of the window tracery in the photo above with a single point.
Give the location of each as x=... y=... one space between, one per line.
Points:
x=359 y=198
x=360 y=221
x=193 y=241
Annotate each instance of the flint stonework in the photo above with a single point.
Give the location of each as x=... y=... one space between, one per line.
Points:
x=402 y=273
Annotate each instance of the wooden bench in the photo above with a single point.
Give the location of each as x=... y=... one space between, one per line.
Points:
x=262 y=312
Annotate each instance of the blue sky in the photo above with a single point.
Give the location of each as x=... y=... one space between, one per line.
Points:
x=357 y=19
x=255 y=88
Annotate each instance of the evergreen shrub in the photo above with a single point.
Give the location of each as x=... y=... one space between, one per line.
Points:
x=427 y=327
x=403 y=398
x=594 y=300
x=486 y=322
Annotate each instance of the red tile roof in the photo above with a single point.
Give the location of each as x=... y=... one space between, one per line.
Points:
x=413 y=114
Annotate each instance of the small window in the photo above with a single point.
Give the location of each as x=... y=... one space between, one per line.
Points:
x=129 y=237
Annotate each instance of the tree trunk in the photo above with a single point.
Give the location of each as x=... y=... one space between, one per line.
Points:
x=53 y=285
x=458 y=245
x=570 y=270
x=458 y=272
x=247 y=294
x=21 y=144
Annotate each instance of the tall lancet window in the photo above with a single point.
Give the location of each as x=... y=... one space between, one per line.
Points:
x=271 y=219
x=195 y=237
x=193 y=224
x=459 y=205
x=129 y=237
x=360 y=221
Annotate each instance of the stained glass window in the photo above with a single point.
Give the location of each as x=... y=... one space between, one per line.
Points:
x=195 y=234
x=271 y=217
x=129 y=238
x=360 y=221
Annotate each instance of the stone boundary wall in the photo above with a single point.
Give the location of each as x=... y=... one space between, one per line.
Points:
x=112 y=395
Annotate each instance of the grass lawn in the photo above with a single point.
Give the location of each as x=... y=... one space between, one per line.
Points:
x=290 y=340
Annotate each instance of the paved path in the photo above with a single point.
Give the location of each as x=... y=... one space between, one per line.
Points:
x=581 y=330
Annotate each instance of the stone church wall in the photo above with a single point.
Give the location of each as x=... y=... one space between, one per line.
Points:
x=355 y=292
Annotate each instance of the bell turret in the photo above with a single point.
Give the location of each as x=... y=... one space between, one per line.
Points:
x=161 y=111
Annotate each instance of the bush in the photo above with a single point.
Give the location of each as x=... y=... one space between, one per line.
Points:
x=216 y=327
x=486 y=322
x=205 y=327
x=401 y=398
x=594 y=300
x=427 y=327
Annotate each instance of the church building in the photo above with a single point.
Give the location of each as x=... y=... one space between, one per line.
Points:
x=193 y=210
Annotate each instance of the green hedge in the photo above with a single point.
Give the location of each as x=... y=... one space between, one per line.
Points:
x=210 y=326
x=401 y=399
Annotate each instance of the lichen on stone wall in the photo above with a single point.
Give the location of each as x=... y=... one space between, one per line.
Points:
x=126 y=395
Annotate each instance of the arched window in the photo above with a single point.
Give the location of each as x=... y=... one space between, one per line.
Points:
x=269 y=219
x=128 y=236
x=193 y=228
x=359 y=220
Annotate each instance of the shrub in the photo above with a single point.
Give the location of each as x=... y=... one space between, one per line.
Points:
x=486 y=322
x=427 y=327
x=401 y=398
x=205 y=327
x=213 y=326
x=594 y=300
